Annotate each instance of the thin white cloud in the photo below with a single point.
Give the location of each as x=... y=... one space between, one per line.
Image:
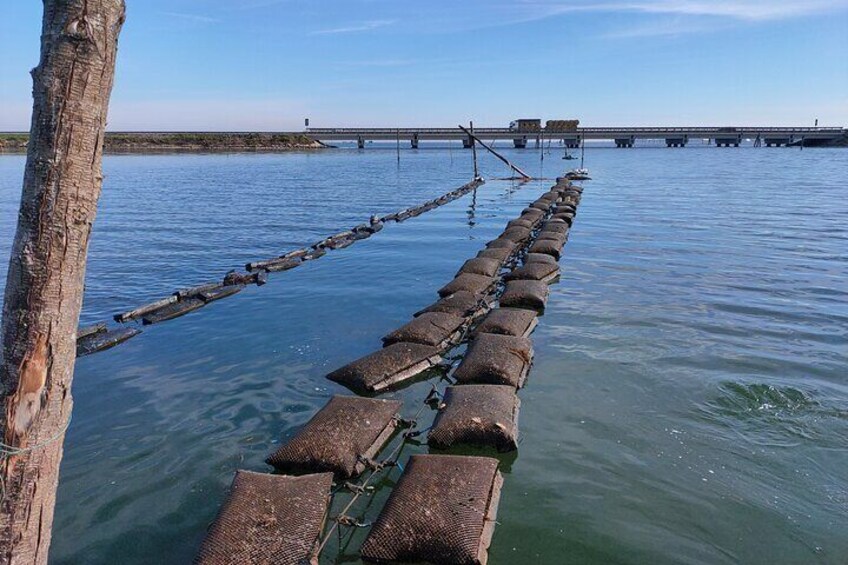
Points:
x=752 y=10
x=379 y=63
x=668 y=27
x=192 y=17
x=354 y=28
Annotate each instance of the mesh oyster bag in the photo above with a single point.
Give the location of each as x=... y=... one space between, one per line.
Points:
x=388 y=366
x=496 y=359
x=477 y=415
x=442 y=511
x=532 y=295
x=346 y=431
x=268 y=519
x=438 y=329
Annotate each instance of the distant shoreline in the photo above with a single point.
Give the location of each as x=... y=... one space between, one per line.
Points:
x=183 y=142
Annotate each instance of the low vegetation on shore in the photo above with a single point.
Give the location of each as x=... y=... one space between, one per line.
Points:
x=127 y=142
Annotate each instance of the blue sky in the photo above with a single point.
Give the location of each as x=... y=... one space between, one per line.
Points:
x=267 y=64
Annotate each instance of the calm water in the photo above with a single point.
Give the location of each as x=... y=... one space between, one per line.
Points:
x=689 y=401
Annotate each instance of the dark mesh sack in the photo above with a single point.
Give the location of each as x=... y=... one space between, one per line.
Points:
x=567 y=218
x=268 y=519
x=516 y=234
x=555 y=227
x=477 y=415
x=345 y=431
x=545 y=272
x=468 y=282
x=555 y=236
x=543 y=205
x=497 y=360
x=481 y=266
x=560 y=238
x=520 y=223
x=442 y=510
x=550 y=247
x=462 y=304
x=531 y=295
x=438 y=329
x=565 y=209
x=508 y=321
x=535 y=220
x=539 y=258
x=501 y=243
x=500 y=254
x=532 y=213
x=388 y=366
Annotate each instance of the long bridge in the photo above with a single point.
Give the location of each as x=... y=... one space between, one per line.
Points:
x=623 y=136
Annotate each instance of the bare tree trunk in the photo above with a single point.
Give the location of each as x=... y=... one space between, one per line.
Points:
x=71 y=88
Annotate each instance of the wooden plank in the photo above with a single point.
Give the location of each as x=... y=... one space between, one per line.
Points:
x=173 y=310
x=100 y=341
x=142 y=310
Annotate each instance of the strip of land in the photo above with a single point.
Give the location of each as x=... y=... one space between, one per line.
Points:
x=133 y=142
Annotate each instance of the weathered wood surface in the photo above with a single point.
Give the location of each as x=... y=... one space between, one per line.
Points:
x=174 y=310
x=142 y=310
x=104 y=340
x=91 y=330
x=195 y=290
x=44 y=288
x=220 y=292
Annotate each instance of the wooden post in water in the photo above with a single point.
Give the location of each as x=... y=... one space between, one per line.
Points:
x=397 y=132
x=542 y=146
x=473 y=149
x=62 y=180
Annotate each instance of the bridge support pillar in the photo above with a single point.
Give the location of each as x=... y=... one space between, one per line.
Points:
x=680 y=141
x=778 y=141
x=624 y=141
x=414 y=141
x=571 y=142
x=728 y=140
x=520 y=143
x=360 y=142
x=467 y=142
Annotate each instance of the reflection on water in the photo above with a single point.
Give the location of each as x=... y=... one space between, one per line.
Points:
x=688 y=400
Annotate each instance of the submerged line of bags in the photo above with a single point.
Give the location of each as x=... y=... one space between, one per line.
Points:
x=100 y=336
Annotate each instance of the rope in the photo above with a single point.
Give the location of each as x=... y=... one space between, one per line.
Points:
x=8 y=451
x=11 y=450
x=391 y=461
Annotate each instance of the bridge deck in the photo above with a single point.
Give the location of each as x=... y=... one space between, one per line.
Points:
x=387 y=134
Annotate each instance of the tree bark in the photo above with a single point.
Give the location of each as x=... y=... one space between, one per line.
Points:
x=62 y=180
